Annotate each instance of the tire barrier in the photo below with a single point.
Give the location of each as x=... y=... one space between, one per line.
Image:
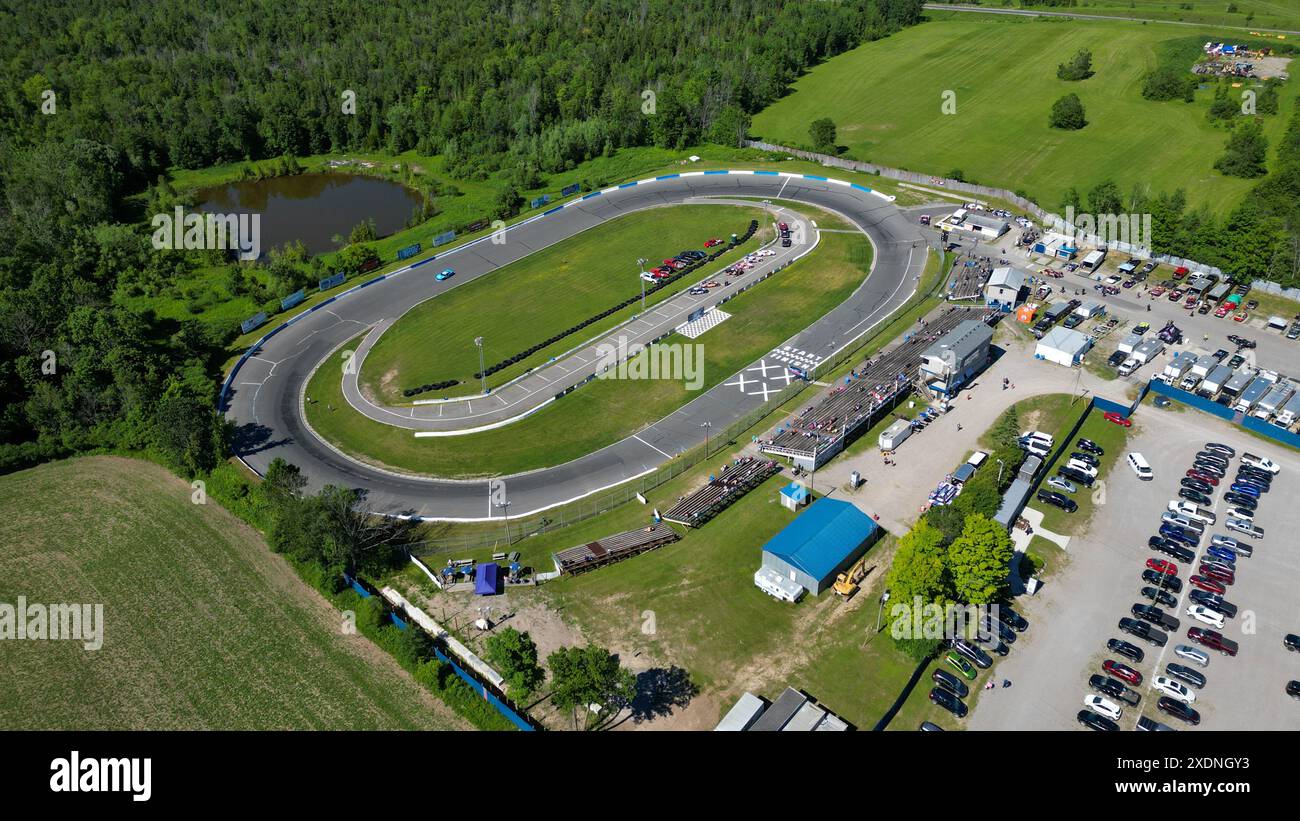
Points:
x=432 y=386
x=527 y=352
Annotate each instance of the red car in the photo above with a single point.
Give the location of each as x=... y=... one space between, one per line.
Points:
x=1203 y=477
x=712 y=242
x=1122 y=671
x=1112 y=416
x=1222 y=311
x=1180 y=272
x=1157 y=291
x=1163 y=566
x=1218 y=574
x=1240 y=317
x=784 y=227
x=1213 y=640
x=1175 y=295
x=1208 y=585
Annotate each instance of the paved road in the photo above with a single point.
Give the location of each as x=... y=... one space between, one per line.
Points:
x=266 y=393
x=1033 y=13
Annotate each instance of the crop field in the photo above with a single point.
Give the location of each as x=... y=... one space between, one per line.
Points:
x=885 y=98
x=603 y=411
x=204 y=628
x=541 y=295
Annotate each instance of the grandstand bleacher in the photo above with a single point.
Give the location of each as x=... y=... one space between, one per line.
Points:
x=610 y=549
x=737 y=479
x=869 y=393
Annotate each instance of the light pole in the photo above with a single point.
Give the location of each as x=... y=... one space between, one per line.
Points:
x=706 y=426
x=478 y=340
x=1000 y=466
x=640 y=269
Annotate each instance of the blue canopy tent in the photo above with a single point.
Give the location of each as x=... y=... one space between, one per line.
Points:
x=487 y=579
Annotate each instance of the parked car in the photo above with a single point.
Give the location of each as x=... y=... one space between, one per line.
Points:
x=1161 y=597
x=1219 y=447
x=1291 y=642
x=1243 y=526
x=1241 y=500
x=1061 y=483
x=1162 y=566
x=1103 y=706
x=961 y=665
x=1056 y=499
x=1155 y=615
x=945 y=699
x=1076 y=476
x=1213 y=640
x=948 y=681
x=1208 y=479
x=1094 y=721
x=1195 y=496
x=1214 y=602
x=1179 y=710
x=1123 y=421
x=973 y=653
x=1207 y=584
x=1144 y=631
x=1293 y=689
x=1086 y=458
x=1150 y=725
x=1126 y=649
x=1205 y=615
x=1173 y=551
x=1261 y=462
x=1171 y=583
x=1218 y=573
x=1185 y=674
x=1090 y=446
x=1173 y=689
x=1195 y=655
x=1121 y=671
x=1115 y=689
x=1196 y=485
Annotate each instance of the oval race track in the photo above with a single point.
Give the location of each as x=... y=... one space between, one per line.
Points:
x=263 y=394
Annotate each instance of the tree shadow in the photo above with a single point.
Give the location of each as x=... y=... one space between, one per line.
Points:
x=659 y=691
x=252 y=437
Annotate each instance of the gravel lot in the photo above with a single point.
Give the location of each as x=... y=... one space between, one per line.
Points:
x=1077 y=611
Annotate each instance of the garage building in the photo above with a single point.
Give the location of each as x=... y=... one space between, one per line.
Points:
x=955 y=357
x=1063 y=346
x=825 y=539
x=1002 y=291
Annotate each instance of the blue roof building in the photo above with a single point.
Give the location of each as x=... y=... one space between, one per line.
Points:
x=825 y=539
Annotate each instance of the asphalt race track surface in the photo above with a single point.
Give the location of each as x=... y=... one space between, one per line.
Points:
x=264 y=394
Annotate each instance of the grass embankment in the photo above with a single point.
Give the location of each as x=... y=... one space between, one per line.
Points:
x=886 y=97
x=204 y=626
x=542 y=295
x=603 y=411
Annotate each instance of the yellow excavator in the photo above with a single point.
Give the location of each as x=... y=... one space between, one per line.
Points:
x=846 y=583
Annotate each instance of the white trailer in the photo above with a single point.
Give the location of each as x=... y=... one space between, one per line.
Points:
x=895 y=434
x=1274 y=400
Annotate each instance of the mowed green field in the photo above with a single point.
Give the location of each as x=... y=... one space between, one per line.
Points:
x=544 y=294
x=885 y=97
x=1252 y=14
x=605 y=410
x=204 y=628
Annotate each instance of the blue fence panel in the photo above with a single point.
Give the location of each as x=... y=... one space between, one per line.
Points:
x=252 y=322
x=1109 y=406
x=511 y=716
x=443 y=238
x=409 y=251
x=1198 y=402
x=293 y=299
x=538 y=202
x=332 y=282
x=570 y=189
x=1263 y=428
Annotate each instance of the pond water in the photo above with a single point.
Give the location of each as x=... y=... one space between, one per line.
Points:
x=314 y=208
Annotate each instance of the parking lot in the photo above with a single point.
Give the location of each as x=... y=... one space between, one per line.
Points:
x=1078 y=610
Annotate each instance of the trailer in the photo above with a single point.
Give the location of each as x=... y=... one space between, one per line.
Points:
x=1130 y=342
x=1179 y=366
x=895 y=434
x=1289 y=413
x=1252 y=393
x=1148 y=350
x=1238 y=383
x=1214 y=381
x=1274 y=400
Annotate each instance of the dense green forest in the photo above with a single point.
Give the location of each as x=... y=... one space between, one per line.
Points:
x=99 y=99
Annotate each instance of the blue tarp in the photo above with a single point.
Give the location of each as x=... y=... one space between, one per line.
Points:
x=487 y=578
x=818 y=541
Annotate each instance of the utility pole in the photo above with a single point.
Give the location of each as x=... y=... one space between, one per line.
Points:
x=706 y=426
x=505 y=511
x=640 y=269
x=478 y=340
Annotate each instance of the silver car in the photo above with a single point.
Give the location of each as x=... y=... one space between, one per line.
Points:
x=1195 y=655
x=1243 y=526
x=1061 y=483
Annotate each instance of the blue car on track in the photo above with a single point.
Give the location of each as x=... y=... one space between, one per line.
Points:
x=445 y=273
